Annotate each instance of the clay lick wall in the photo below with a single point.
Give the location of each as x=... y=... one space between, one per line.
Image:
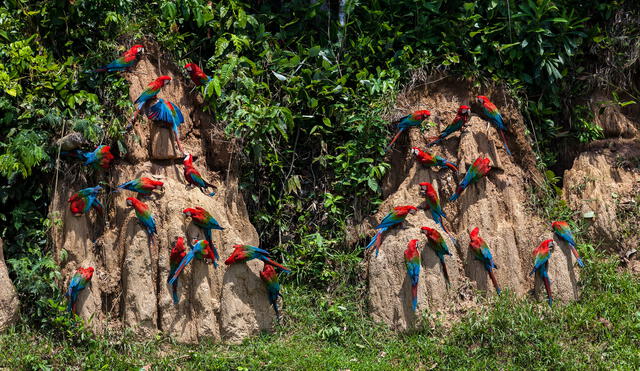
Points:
x=129 y=287
x=497 y=205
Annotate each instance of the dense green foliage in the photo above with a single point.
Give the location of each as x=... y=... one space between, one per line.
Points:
x=304 y=95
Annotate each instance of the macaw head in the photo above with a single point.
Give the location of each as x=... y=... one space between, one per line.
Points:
x=189 y=211
x=431 y=233
x=559 y=225
x=550 y=244
x=131 y=201
x=163 y=80
x=179 y=245
x=474 y=233
x=464 y=110
x=480 y=99
x=422 y=115
x=268 y=272
x=415 y=150
x=137 y=49
x=189 y=67
x=413 y=245
x=156 y=184
x=237 y=255
x=188 y=160
x=426 y=187
x=412 y=209
x=88 y=272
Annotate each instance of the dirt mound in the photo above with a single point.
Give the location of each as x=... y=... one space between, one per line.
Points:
x=129 y=286
x=497 y=205
x=9 y=304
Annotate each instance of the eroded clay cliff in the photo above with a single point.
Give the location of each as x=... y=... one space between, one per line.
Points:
x=9 y=304
x=498 y=205
x=129 y=286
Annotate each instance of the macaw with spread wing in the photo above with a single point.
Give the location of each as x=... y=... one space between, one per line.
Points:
x=245 y=253
x=200 y=250
x=100 y=157
x=165 y=111
x=395 y=217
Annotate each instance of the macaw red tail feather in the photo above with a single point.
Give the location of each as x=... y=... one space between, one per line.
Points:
x=495 y=281
x=174 y=293
x=414 y=297
x=444 y=270
x=394 y=139
x=575 y=253
x=504 y=142
x=547 y=286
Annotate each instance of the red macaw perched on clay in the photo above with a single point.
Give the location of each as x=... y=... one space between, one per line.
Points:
x=479 y=169
x=562 y=230
x=78 y=282
x=436 y=242
x=85 y=199
x=395 y=217
x=193 y=177
x=201 y=250
x=206 y=222
x=175 y=258
x=462 y=117
x=483 y=255
x=412 y=263
x=542 y=254
x=409 y=121
x=489 y=112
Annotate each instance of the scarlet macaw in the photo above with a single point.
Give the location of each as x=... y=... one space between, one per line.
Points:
x=245 y=253
x=395 y=216
x=461 y=118
x=429 y=160
x=206 y=222
x=479 y=169
x=83 y=200
x=193 y=176
x=412 y=262
x=142 y=185
x=144 y=215
x=489 y=112
x=177 y=254
x=270 y=278
x=78 y=282
x=406 y=122
x=483 y=254
x=152 y=90
x=433 y=203
x=125 y=62
x=563 y=231
x=439 y=246
x=197 y=75
x=542 y=253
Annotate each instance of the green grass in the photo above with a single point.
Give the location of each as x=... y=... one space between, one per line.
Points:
x=322 y=331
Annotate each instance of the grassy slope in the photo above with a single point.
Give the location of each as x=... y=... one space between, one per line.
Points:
x=601 y=330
